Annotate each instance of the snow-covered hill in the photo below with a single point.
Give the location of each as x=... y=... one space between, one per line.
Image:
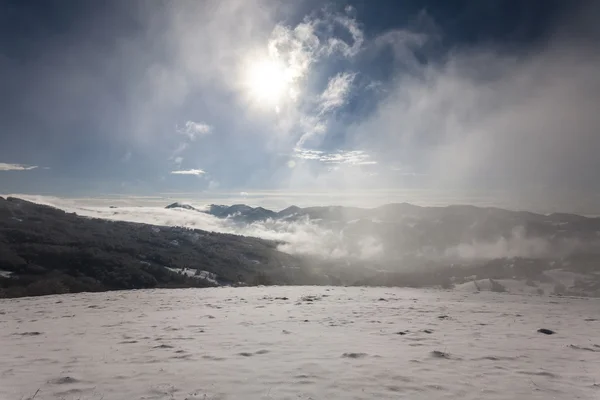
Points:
x=299 y=343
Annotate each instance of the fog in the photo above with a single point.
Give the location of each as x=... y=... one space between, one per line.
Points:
x=367 y=239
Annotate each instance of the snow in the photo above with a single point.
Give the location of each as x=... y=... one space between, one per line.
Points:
x=510 y=286
x=299 y=343
x=184 y=271
x=208 y=276
x=200 y=274
x=534 y=287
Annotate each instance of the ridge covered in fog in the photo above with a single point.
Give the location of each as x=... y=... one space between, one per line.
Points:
x=455 y=232
x=44 y=249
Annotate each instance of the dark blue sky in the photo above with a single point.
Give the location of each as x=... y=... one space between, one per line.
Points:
x=144 y=97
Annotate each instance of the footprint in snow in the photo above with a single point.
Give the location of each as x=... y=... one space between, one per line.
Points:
x=64 y=380
x=440 y=354
x=354 y=355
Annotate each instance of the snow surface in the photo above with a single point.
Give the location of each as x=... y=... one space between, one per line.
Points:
x=299 y=343
x=521 y=286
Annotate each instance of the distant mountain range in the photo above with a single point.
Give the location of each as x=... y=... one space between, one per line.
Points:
x=408 y=245
x=241 y=212
x=390 y=212
x=44 y=250
x=439 y=232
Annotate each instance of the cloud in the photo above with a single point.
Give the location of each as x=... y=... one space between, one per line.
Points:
x=519 y=121
x=299 y=237
x=335 y=44
x=466 y=117
x=303 y=51
x=197 y=172
x=313 y=39
x=331 y=99
x=16 y=167
x=517 y=244
x=193 y=130
x=336 y=93
x=354 y=157
x=310 y=237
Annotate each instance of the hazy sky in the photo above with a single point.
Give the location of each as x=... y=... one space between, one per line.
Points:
x=456 y=98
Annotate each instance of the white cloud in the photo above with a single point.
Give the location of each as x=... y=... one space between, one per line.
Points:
x=297 y=237
x=16 y=167
x=194 y=130
x=336 y=93
x=518 y=123
x=333 y=97
x=295 y=48
x=335 y=44
x=299 y=47
x=275 y=75
x=354 y=157
x=197 y=172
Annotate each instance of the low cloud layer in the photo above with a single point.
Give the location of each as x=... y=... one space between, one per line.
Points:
x=16 y=167
x=334 y=242
x=299 y=237
x=196 y=172
x=355 y=157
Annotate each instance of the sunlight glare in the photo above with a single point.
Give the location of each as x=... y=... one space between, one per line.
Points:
x=268 y=82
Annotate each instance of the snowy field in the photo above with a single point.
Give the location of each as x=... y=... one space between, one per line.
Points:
x=299 y=343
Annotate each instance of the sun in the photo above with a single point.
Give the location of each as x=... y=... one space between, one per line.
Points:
x=267 y=82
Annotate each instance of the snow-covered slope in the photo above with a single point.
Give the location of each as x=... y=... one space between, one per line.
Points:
x=299 y=343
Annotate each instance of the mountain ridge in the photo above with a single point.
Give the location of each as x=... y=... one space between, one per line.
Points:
x=45 y=250
x=409 y=209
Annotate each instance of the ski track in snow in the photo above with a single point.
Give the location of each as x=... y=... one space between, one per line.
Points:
x=299 y=343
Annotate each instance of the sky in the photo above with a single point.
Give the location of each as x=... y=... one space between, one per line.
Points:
x=450 y=100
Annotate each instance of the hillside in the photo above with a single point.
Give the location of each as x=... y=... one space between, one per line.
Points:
x=44 y=250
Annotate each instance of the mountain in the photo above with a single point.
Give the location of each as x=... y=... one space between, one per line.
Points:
x=289 y=212
x=241 y=213
x=408 y=245
x=182 y=206
x=411 y=229
x=44 y=250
